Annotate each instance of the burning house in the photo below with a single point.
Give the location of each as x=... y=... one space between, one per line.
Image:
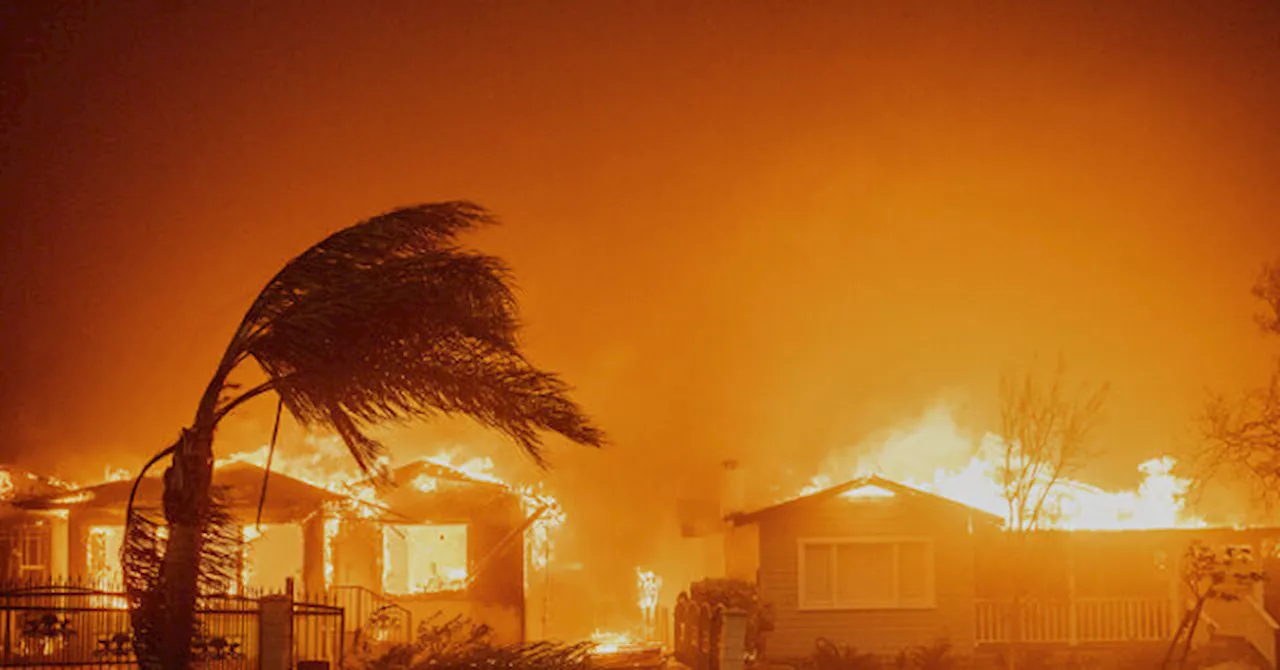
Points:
x=434 y=540
x=447 y=543
x=28 y=540
x=287 y=544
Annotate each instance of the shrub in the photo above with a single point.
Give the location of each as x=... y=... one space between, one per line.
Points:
x=936 y=656
x=459 y=644
x=829 y=656
x=740 y=595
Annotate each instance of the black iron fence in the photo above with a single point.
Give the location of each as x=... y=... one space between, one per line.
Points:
x=371 y=616
x=70 y=626
x=318 y=639
x=64 y=625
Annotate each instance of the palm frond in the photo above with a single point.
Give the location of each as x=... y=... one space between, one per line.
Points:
x=391 y=319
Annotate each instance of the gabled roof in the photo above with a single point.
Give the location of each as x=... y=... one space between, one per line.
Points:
x=875 y=486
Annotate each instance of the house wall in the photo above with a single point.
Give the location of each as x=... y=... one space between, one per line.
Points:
x=742 y=552
x=495 y=556
x=883 y=631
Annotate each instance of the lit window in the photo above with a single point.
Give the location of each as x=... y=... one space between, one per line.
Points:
x=103 y=555
x=866 y=574
x=424 y=558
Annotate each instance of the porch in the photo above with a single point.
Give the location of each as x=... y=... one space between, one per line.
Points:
x=1076 y=621
x=1110 y=621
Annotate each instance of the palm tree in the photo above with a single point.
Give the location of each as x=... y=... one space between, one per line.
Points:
x=387 y=320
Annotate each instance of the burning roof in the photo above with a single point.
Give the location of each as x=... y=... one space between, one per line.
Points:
x=18 y=484
x=869 y=487
x=287 y=499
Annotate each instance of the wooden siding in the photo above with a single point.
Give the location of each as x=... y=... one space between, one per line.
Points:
x=884 y=631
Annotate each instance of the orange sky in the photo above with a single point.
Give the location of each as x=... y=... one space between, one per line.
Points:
x=760 y=230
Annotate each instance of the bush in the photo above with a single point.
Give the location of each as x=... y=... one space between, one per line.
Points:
x=458 y=644
x=829 y=656
x=740 y=595
x=936 y=656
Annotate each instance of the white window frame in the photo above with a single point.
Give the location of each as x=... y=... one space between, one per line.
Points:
x=930 y=602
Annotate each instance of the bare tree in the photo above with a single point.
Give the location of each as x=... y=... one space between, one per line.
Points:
x=388 y=319
x=1242 y=433
x=1044 y=428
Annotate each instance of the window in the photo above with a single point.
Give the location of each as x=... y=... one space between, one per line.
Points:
x=33 y=552
x=866 y=573
x=424 y=558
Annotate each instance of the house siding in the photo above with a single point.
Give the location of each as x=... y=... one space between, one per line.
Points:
x=881 y=631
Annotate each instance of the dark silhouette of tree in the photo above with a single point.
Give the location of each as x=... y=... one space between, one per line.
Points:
x=1242 y=433
x=1225 y=575
x=387 y=320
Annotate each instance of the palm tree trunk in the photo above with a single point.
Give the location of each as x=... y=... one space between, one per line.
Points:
x=186 y=505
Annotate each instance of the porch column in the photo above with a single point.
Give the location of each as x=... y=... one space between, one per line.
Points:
x=59 y=548
x=1173 y=568
x=1073 y=614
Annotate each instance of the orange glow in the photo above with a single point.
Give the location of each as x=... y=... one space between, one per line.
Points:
x=910 y=457
x=325 y=463
x=103 y=557
x=868 y=491
x=332 y=525
x=424 y=558
x=610 y=642
x=116 y=474
x=540 y=539
x=649 y=585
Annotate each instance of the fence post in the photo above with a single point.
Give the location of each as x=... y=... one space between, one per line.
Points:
x=733 y=639
x=275 y=632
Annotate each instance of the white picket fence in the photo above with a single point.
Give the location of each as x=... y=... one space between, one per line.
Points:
x=1083 y=620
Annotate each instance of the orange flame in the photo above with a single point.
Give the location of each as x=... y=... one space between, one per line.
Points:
x=326 y=463
x=934 y=456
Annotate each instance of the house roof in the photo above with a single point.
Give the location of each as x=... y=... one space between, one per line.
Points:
x=875 y=486
x=407 y=473
x=240 y=483
x=19 y=484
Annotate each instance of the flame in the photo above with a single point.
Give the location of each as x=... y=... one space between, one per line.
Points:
x=972 y=476
x=540 y=545
x=103 y=560
x=332 y=524
x=480 y=469
x=248 y=534
x=114 y=474
x=6 y=486
x=610 y=642
x=649 y=585
x=326 y=463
